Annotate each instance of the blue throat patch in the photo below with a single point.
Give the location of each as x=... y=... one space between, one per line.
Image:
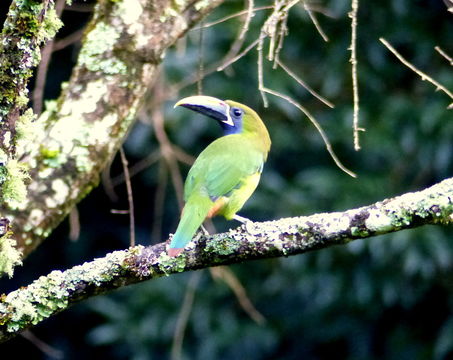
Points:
x=230 y=130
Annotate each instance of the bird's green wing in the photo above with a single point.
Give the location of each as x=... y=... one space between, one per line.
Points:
x=222 y=166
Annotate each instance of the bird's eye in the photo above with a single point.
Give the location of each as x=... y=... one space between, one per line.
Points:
x=237 y=112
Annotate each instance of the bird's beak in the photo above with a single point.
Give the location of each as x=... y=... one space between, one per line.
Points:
x=209 y=106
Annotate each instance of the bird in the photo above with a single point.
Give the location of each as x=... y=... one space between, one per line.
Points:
x=226 y=172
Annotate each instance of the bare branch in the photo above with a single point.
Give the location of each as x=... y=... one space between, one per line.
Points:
x=240 y=38
x=275 y=26
x=74 y=224
x=200 y=70
x=49 y=351
x=233 y=53
x=444 y=54
x=225 y=274
x=168 y=155
x=143 y=164
x=41 y=74
x=260 y=71
x=26 y=29
x=423 y=76
x=159 y=202
x=237 y=57
x=355 y=82
x=232 y=16
x=184 y=313
x=314 y=20
x=317 y=126
x=130 y=198
x=76 y=36
x=305 y=85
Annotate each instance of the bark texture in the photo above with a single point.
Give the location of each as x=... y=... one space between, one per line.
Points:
x=28 y=25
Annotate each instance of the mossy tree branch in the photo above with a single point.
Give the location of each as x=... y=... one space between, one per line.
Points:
x=29 y=24
x=53 y=293
x=79 y=133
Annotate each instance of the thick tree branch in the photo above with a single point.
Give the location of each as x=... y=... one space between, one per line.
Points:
x=53 y=293
x=28 y=25
x=78 y=134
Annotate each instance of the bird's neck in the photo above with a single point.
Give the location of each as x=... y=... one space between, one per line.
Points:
x=258 y=135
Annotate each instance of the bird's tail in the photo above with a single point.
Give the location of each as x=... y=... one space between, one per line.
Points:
x=193 y=215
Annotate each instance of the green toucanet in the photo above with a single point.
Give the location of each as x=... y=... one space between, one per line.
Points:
x=227 y=172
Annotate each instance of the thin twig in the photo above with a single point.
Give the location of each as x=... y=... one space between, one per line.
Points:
x=444 y=54
x=237 y=57
x=232 y=16
x=423 y=76
x=449 y=4
x=107 y=183
x=182 y=156
x=247 y=21
x=225 y=274
x=306 y=86
x=355 y=83
x=218 y=66
x=183 y=318
x=200 y=74
x=137 y=167
x=322 y=9
x=118 y=211
x=240 y=38
x=168 y=155
x=68 y=40
x=314 y=20
x=159 y=200
x=130 y=198
x=80 y=7
x=317 y=125
x=275 y=27
x=232 y=54
x=41 y=73
x=74 y=224
x=45 y=348
x=283 y=31
x=260 y=71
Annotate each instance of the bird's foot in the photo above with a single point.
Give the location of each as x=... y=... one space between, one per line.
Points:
x=241 y=219
x=247 y=222
x=204 y=231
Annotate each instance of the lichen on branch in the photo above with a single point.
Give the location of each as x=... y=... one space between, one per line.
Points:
x=29 y=24
x=53 y=293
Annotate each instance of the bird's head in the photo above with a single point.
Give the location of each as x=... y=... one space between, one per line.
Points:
x=230 y=115
x=233 y=117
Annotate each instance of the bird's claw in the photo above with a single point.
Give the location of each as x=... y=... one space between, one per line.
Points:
x=247 y=222
x=204 y=231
